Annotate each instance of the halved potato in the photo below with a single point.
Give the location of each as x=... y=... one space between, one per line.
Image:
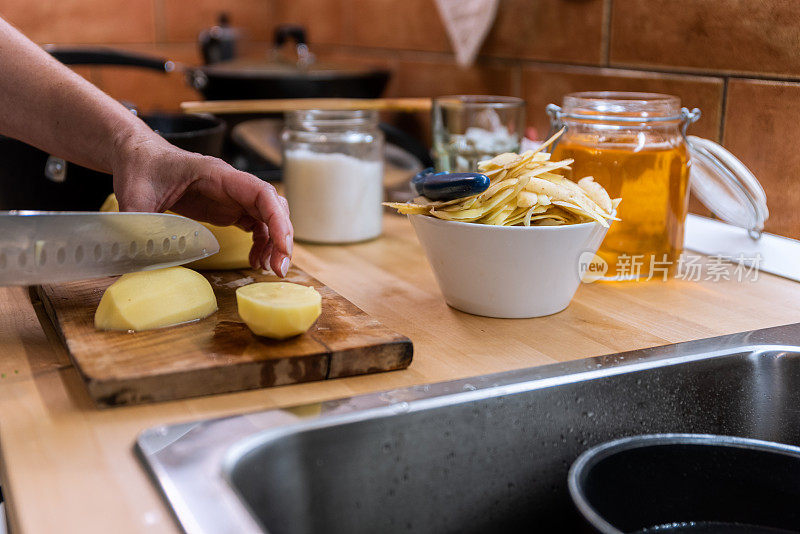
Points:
x=234 y=249
x=110 y=203
x=234 y=244
x=278 y=309
x=153 y=299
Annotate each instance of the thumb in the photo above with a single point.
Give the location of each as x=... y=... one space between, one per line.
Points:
x=135 y=194
x=131 y=201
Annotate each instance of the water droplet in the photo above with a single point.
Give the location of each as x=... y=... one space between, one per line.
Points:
x=400 y=407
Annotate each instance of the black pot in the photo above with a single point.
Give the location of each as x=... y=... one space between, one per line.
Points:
x=203 y=134
x=32 y=179
x=692 y=483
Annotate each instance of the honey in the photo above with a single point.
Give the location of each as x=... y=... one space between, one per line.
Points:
x=632 y=145
x=653 y=184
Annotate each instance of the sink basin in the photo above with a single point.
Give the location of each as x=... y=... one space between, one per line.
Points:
x=487 y=454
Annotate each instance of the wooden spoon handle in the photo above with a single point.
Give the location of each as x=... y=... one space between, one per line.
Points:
x=223 y=107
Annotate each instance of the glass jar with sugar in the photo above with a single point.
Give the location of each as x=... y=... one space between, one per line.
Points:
x=333 y=175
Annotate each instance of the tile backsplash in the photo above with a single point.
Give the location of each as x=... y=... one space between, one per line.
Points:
x=737 y=60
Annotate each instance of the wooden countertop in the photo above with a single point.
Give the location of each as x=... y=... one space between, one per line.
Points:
x=68 y=467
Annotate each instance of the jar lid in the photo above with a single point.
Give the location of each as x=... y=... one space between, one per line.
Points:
x=726 y=186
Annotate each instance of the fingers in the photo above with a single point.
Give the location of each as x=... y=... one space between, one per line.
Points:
x=259 y=253
x=267 y=255
x=280 y=263
x=264 y=212
x=274 y=211
x=265 y=205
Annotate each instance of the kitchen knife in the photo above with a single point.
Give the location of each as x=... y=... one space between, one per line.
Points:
x=42 y=247
x=448 y=186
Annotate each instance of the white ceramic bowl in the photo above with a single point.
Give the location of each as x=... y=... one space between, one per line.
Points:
x=507 y=271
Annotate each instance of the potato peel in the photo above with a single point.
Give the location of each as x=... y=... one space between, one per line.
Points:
x=524 y=190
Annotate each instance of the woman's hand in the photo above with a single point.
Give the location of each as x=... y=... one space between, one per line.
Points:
x=45 y=104
x=152 y=175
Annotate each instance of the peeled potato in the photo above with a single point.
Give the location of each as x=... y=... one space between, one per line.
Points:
x=234 y=244
x=110 y=203
x=153 y=299
x=234 y=249
x=278 y=309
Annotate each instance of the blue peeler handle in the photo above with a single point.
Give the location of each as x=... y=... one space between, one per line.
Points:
x=448 y=186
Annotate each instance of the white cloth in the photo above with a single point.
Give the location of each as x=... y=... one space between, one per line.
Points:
x=776 y=254
x=467 y=23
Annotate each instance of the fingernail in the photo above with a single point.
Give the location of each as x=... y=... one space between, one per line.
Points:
x=285 y=267
x=289 y=245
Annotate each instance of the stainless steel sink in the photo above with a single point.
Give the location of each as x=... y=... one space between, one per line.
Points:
x=488 y=454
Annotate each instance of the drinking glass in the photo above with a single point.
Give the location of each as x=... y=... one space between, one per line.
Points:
x=470 y=128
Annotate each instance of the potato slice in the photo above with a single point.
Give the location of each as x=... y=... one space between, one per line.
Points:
x=408 y=208
x=278 y=309
x=597 y=193
x=154 y=299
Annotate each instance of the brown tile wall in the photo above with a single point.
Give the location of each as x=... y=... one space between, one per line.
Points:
x=737 y=60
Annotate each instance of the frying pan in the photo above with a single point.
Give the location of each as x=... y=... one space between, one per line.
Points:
x=243 y=80
x=237 y=80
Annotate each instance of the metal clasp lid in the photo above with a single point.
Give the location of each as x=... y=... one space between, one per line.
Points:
x=719 y=180
x=557 y=116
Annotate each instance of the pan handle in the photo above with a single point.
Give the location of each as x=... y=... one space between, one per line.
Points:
x=287 y=32
x=407 y=142
x=284 y=32
x=107 y=56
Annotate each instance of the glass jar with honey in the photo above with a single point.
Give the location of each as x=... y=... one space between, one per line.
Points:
x=632 y=144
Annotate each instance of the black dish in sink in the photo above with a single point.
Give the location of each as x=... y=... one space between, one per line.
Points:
x=688 y=483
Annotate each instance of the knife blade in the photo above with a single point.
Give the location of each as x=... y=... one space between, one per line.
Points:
x=42 y=247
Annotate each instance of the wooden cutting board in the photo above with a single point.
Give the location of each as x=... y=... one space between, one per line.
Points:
x=218 y=354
